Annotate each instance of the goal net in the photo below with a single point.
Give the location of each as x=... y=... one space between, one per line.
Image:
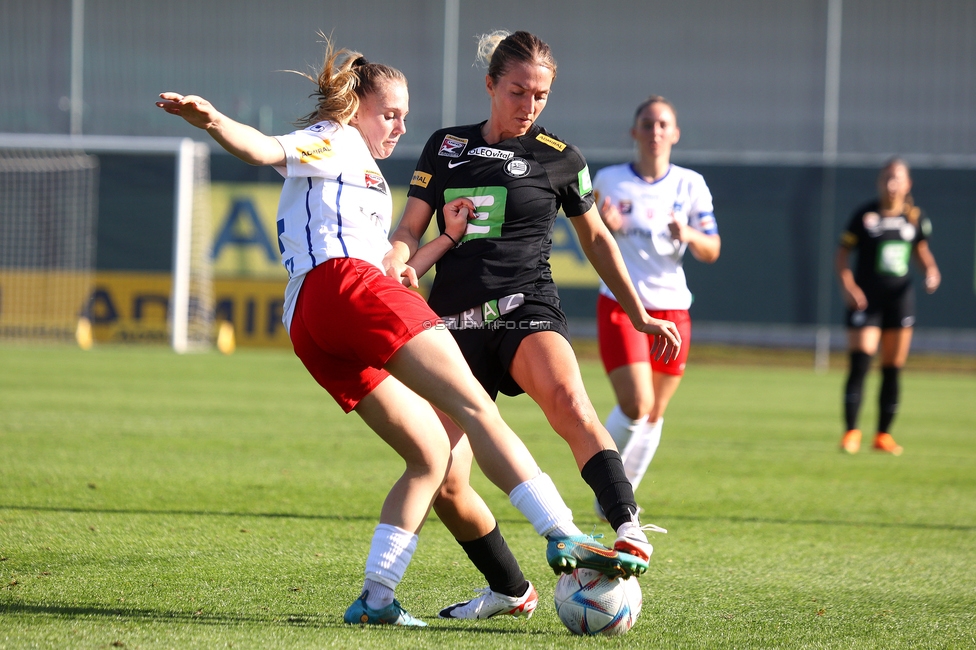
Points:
x=49 y=186
x=47 y=242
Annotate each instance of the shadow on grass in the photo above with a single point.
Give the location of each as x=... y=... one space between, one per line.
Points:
x=582 y=523
x=504 y=520
x=224 y=619
x=188 y=513
x=829 y=522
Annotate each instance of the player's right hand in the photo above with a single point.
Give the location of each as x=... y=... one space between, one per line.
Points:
x=855 y=298
x=195 y=110
x=609 y=213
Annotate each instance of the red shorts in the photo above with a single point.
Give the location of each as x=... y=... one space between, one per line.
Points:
x=622 y=345
x=349 y=320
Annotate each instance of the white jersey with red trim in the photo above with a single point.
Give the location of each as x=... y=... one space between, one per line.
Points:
x=652 y=257
x=334 y=203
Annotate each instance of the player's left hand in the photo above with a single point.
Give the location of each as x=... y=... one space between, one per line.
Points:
x=667 y=340
x=932 y=280
x=400 y=271
x=679 y=231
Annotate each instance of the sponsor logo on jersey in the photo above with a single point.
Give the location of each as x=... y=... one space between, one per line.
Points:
x=375 y=181
x=488 y=152
x=585 y=184
x=308 y=153
x=626 y=207
x=451 y=164
x=420 y=179
x=316 y=128
x=517 y=167
x=907 y=232
x=706 y=223
x=893 y=257
x=552 y=142
x=642 y=233
x=871 y=220
x=452 y=146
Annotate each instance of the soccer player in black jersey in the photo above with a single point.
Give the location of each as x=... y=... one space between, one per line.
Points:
x=494 y=290
x=886 y=234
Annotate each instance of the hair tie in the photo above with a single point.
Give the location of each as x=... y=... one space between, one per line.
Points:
x=360 y=62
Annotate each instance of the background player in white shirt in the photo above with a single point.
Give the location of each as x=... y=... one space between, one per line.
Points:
x=368 y=340
x=656 y=212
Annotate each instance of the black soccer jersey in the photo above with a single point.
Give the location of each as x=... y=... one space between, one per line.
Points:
x=518 y=186
x=884 y=247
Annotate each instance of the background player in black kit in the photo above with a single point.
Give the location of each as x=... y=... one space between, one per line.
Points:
x=881 y=301
x=495 y=291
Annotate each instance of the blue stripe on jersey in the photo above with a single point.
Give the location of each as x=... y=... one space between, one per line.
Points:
x=308 y=221
x=339 y=215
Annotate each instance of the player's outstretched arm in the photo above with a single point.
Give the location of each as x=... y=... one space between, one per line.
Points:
x=245 y=142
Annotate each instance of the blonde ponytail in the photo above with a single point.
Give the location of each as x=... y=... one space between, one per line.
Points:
x=345 y=78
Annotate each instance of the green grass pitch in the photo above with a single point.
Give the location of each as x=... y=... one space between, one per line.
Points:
x=149 y=500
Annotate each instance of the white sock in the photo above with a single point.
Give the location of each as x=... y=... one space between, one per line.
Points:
x=622 y=428
x=378 y=595
x=539 y=500
x=389 y=554
x=639 y=453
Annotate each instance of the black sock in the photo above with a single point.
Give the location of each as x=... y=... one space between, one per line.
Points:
x=605 y=475
x=888 y=399
x=491 y=555
x=860 y=364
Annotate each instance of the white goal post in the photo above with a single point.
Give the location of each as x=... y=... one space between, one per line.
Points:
x=191 y=304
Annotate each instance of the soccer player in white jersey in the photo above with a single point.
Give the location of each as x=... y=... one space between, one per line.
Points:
x=656 y=212
x=369 y=341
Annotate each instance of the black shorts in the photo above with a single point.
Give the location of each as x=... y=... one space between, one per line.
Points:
x=887 y=310
x=489 y=349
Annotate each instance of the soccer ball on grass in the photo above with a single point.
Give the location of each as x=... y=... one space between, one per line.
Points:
x=589 y=602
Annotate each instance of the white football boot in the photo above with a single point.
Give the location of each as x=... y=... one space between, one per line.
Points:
x=631 y=538
x=490 y=604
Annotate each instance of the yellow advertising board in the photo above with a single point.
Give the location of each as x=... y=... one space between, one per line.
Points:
x=41 y=304
x=245 y=243
x=128 y=307
x=244 y=237
x=249 y=281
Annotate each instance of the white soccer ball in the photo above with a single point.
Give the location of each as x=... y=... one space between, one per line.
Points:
x=589 y=602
